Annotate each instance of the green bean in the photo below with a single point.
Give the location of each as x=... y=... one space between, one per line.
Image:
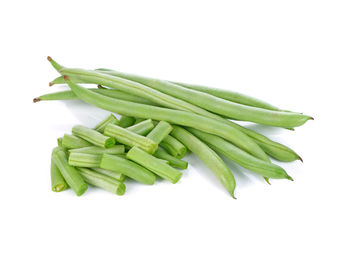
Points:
x=153 y=164
x=115 y=150
x=274 y=149
x=242 y=158
x=138 y=120
x=175 y=162
x=128 y=168
x=218 y=105
x=142 y=128
x=116 y=175
x=126 y=121
x=74 y=142
x=110 y=119
x=172 y=116
x=70 y=174
x=69 y=95
x=84 y=159
x=131 y=139
x=58 y=183
x=102 y=181
x=161 y=131
x=231 y=96
x=208 y=156
x=174 y=147
x=93 y=136
x=60 y=141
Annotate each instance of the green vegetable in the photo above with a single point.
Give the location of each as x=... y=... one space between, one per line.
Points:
x=172 y=116
x=242 y=158
x=128 y=168
x=142 y=128
x=69 y=95
x=126 y=121
x=215 y=104
x=93 y=136
x=58 y=183
x=110 y=119
x=116 y=175
x=153 y=164
x=70 y=174
x=208 y=156
x=174 y=147
x=131 y=139
x=60 y=141
x=74 y=142
x=84 y=159
x=117 y=149
x=175 y=162
x=102 y=181
x=161 y=131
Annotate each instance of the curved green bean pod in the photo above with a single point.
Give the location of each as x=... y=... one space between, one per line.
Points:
x=208 y=156
x=219 y=105
x=172 y=116
x=242 y=158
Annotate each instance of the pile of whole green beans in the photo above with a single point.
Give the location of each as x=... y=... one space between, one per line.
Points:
x=160 y=121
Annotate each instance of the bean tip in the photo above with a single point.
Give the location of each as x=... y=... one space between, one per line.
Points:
x=100 y=86
x=267 y=180
x=35 y=100
x=49 y=58
x=300 y=159
x=289 y=178
x=66 y=78
x=51 y=84
x=312 y=118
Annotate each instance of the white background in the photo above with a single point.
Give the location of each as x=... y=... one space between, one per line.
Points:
x=294 y=54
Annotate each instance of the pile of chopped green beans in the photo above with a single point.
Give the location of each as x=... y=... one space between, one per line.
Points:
x=160 y=122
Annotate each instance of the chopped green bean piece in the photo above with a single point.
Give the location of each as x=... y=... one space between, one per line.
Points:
x=161 y=131
x=142 y=128
x=175 y=162
x=93 y=136
x=58 y=183
x=102 y=181
x=174 y=147
x=153 y=164
x=131 y=139
x=127 y=167
x=126 y=121
x=110 y=119
x=114 y=174
x=84 y=159
x=74 y=142
x=115 y=150
x=70 y=174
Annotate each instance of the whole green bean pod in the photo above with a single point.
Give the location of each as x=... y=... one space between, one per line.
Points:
x=114 y=93
x=102 y=181
x=154 y=164
x=131 y=139
x=208 y=156
x=74 y=142
x=93 y=136
x=70 y=174
x=242 y=158
x=126 y=121
x=127 y=167
x=100 y=127
x=115 y=150
x=219 y=105
x=172 y=116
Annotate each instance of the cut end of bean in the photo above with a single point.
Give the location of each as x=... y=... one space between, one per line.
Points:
x=121 y=189
x=58 y=188
x=35 y=100
x=110 y=142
